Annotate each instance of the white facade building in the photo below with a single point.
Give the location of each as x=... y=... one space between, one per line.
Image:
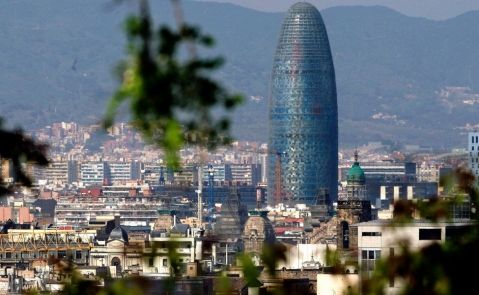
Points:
x=119 y=172
x=92 y=173
x=381 y=238
x=473 y=151
x=219 y=173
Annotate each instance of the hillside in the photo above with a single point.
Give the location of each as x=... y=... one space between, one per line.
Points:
x=399 y=78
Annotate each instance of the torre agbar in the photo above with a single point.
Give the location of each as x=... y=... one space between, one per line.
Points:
x=303 y=114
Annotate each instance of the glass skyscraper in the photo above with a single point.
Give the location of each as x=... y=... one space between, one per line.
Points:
x=303 y=138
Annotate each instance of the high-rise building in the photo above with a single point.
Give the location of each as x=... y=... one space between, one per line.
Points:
x=218 y=172
x=57 y=172
x=92 y=173
x=303 y=138
x=473 y=149
x=118 y=172
x=243 y=174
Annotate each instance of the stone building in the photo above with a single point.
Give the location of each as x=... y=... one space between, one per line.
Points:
x=258 y=232
x=118 y=252
x=352 y=207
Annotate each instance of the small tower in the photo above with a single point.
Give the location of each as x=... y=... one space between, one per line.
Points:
x=353 y=207
x=258 y=231
x=356 y=181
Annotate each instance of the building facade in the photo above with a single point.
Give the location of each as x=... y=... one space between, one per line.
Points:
x=379 y=239
x=118 y=172
x=303 y=138
x=473 y=150
x=92 y=173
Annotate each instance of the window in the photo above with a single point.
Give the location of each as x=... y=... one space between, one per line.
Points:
x=62 y=254
x=165 y=262
x=78 y=255
x=151 y=262
x=472 y=147
x=369 y=259
x=371 y=234
x=345 y=234
x=429 y=234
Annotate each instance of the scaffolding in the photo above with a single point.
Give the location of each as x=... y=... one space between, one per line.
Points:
x=45 y=240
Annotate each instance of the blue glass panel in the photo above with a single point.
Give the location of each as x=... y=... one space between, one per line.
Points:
x=303 y=112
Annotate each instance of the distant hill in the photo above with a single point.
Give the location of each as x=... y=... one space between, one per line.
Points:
x=400 y=79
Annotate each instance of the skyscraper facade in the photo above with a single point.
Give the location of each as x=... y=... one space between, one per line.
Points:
x=303 y=138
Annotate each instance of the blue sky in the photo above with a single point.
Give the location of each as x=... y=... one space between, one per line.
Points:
x=433 y=9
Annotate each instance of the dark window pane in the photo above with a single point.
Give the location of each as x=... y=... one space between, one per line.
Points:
x=429 y=234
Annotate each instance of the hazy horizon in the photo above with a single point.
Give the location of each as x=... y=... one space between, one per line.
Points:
x=432 y=9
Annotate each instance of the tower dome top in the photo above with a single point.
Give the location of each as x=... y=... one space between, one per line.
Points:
x=303 y=10
x=356 y=173
x=302 y=5
x=118 y=233
x=258 y=225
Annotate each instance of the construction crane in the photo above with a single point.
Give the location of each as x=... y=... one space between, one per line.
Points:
x=279 y=195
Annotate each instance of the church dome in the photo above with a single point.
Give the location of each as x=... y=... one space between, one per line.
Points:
x=356 y=173
x=258 y=226
x=118 y=233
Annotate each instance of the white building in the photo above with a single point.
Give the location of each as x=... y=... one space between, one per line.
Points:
x=379 y=239
x=473 y=151
x=301 y=256
x=119 y=172
x=92 y=173
x=151 y=173
x=428 y=171
x=57 y=172
x=219 y=173
x=244 y=174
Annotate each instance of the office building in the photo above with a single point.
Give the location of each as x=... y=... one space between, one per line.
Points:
x=118 y=172
x=92 y=173
x=303 y=138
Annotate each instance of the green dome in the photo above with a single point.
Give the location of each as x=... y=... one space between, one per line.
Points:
x=356 y=174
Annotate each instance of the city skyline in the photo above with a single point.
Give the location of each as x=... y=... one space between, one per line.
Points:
x=169 y=203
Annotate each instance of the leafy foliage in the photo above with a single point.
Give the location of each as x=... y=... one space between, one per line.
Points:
x=250 y=270
x=437 y=268
x=272 y=255
x=171 y=100
x=19 y=149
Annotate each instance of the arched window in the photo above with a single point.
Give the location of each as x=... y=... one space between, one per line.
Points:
x=345 y=234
